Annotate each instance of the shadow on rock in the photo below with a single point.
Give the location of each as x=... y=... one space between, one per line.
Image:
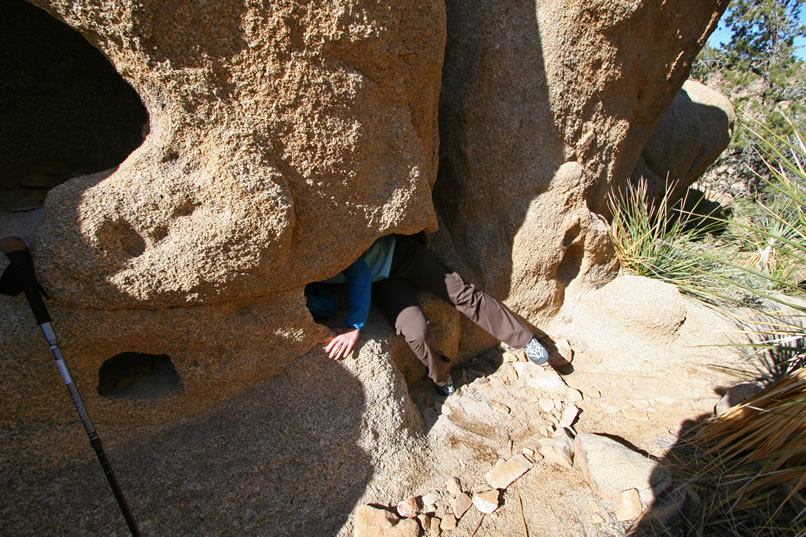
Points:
x=676 y=511
x=279 y=459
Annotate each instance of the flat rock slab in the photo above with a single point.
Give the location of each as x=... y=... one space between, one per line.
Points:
x=505 y=472
x=610 y=468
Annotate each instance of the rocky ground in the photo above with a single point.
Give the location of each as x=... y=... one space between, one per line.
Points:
x=527 y=417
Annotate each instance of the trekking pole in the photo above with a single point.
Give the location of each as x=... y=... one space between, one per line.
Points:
x=19 y=276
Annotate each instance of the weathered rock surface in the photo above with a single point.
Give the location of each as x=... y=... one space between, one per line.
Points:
x=636 y=325
x=271 y=128
x=216 y=351
x=610 y=468
x=294 y=455
x=299 y=453
x=693 y=132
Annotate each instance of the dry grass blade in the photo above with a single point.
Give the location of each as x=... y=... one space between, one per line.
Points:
x=523 y=516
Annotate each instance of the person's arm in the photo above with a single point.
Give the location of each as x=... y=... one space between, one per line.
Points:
x=359 y=296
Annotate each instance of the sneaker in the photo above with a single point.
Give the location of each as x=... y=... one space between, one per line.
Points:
x=536 y=352
x=447 y=388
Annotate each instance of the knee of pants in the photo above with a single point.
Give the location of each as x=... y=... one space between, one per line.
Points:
x=412 y=325
x=460 y=292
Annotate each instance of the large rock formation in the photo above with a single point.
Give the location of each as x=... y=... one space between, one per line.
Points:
x=285 y=138
x=693 y=132
x=544 y=108
x=271 y=127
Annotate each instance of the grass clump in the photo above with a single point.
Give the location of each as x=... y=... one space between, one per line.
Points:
x=662 y=240
x=751 y=467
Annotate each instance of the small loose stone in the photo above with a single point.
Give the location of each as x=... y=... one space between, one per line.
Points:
x=569 y=416
x=407 y=508
x=372 y=521
x=454 y=487
x=461 y=504
x=425 y=521
x=559 y=449
x=486 y=502
x=429 y=502
x=505 y=472
x=436 y=524
x=628 y=505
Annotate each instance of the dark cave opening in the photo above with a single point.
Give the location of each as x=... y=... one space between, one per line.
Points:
x=66 y=111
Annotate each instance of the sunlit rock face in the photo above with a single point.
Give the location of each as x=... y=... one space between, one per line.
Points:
x=284 y=138
x=280 y=140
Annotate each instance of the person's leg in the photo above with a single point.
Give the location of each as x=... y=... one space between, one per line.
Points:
x=424 y=269
x=398 y=300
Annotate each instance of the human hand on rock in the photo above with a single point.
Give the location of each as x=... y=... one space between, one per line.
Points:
x=343 y=344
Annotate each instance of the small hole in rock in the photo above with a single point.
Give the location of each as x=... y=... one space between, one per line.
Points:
x=138 y=375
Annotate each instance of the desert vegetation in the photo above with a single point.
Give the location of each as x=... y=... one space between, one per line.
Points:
x=738 y=242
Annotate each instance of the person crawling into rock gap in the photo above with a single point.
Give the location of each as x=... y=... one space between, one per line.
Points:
x=388 y=274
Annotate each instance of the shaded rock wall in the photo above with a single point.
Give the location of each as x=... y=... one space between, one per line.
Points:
x=66 y=111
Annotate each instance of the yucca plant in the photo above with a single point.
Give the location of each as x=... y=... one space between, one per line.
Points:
x=641 y=232
x=780 y=223
x=757 y=451
x=657 y=239
x=769 y=250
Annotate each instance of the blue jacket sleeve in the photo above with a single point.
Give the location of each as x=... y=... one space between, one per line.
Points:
x=359 y=293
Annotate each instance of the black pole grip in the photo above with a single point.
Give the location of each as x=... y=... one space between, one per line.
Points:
x=19 y=276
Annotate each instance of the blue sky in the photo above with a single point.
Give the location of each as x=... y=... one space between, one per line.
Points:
x=722 y=35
